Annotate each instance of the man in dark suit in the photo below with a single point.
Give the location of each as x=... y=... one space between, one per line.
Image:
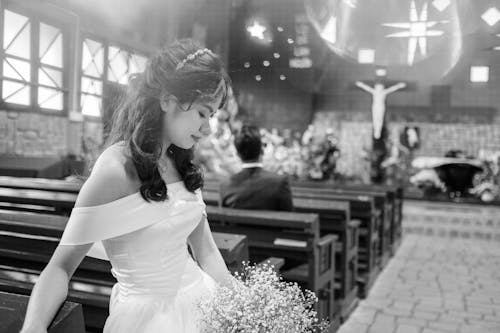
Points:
x=254 y=187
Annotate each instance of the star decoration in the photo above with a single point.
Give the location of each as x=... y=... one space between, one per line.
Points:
x=418 y=30
x=257 y=30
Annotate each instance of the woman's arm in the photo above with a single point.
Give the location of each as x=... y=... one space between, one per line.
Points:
x=207 y=254
x=51 y=288
x=106 y=183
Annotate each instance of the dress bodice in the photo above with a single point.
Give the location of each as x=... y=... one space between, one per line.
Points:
x=146 y=243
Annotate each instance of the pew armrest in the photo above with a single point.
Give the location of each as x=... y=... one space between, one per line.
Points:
x=327 y=240
x=326 y=248
x=354 y=223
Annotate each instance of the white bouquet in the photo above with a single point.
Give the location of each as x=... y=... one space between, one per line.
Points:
x=259 y=301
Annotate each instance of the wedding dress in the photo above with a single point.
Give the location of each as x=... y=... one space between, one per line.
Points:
x=159 y=284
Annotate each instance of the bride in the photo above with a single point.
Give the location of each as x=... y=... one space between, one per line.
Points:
x=142 y=205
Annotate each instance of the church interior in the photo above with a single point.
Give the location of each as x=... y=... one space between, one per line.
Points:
x=382 y=116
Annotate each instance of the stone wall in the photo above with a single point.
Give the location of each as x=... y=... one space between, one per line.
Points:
x=436 y=138
x=31 y=134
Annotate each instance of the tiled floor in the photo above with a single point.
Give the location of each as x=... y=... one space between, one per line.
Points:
x=434 y=284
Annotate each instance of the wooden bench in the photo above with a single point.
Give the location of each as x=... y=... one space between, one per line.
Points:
x=334 y=218
x=69 y=318
x=63 y=200
x=363 y=209
x=394 y=195
x=383 y=203
x=347 y=258
x=292 y=236
x=29 y=240
x=93 y=297
x=41 y=184
x=37 y=201
x=388 y=200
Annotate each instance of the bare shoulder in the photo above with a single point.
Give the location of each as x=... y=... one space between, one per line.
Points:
x=112 y=178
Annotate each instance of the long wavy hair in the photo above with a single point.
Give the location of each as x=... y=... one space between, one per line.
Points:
x=138 y=121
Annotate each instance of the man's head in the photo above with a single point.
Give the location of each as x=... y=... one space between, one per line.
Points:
x=248 y=143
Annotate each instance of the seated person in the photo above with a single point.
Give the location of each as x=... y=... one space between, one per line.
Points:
x=254 y=187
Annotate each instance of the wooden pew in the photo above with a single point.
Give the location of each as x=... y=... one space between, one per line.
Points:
x=69 y=318
x=46 y=231
x=94 y=298
x=62 y=194
x=347 y=275
x=37 y=200
x=334 y=219
x=41 y=184
x=363 y=209
x=28 y=241
x=394 y=195
x=292 y=236
x=388 y=199
x=383 y=202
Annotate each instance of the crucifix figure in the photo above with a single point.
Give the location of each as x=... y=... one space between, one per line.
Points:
x=379 y=94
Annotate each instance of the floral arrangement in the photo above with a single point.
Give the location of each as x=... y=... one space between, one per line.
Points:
x=259 y=301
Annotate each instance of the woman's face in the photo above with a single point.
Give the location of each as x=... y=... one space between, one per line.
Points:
x=185 y=126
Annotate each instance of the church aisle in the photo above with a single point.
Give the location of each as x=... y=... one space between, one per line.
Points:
x=434 y=284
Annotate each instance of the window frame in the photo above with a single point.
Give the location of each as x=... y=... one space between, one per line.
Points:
x=106 y=42
x=81 y=75
x=36 y=17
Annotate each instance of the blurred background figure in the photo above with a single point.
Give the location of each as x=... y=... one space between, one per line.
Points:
x=254 y=187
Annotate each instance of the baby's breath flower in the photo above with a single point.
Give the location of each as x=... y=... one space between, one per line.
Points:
x=260 y=302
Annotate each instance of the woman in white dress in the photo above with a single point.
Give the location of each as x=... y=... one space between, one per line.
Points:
x=142 y=205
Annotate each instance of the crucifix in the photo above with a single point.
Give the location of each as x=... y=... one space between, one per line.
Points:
x=379 y=94
x=379 y=145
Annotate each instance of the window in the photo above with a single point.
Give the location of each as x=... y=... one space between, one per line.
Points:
x=118 y=65
x=101 y=63
x=479 y=74
x=92 y=77
x=17 y=59
x=122 y=63
x=366 y=56
x=32 y=63
x=50 y=71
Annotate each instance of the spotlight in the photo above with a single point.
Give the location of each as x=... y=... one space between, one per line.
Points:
x=257 y=30
x=491 y=16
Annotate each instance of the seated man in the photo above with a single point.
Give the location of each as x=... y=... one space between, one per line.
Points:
x=254 y=187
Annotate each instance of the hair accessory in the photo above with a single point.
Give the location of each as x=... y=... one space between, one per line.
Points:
x=192 y=56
